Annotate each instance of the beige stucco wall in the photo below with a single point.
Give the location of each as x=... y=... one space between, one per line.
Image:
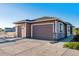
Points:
x=16 y=27
x=23 y=27
x=25 y=30
x=28 y=30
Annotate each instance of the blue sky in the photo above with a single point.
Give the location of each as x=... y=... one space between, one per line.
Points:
x=10 y=13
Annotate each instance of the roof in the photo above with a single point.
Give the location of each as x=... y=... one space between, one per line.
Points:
x=53 y=18
x=41 y=19
x=33 y=20
x=45 y=17
x=68 y=23
x=22 y=21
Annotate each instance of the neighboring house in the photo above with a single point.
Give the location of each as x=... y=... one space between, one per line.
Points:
x=9 y=29
x=48 y=28
x=10 y=32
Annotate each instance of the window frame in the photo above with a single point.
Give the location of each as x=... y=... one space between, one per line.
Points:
x=61 y=27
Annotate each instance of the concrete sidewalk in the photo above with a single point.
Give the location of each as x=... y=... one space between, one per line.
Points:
x=28 y=47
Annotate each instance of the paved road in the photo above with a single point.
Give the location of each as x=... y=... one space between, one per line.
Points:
x=30 y=47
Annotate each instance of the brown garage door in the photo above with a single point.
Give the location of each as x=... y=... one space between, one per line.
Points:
x=43 y=32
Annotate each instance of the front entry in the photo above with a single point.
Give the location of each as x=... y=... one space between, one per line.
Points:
x=19 y=31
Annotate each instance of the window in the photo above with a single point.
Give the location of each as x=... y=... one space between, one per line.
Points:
x=68 y=28
x=61 y=27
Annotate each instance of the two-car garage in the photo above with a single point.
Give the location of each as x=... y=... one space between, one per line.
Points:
x=42 y=31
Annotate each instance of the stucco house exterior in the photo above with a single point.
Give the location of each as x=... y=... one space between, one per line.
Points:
x=47 y=28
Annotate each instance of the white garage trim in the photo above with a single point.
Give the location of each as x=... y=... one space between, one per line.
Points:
x=56 y=26
x=40 y=24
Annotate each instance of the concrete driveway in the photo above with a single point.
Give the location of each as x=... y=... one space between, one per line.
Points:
x=30 y=47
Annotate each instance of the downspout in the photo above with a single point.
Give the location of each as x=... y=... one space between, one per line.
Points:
x=54 y=31
x=26 y=29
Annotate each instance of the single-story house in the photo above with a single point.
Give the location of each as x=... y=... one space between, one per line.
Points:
x=48 y=28
x=7 y=29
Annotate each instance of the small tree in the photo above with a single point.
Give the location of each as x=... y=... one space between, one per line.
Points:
x=77 y=31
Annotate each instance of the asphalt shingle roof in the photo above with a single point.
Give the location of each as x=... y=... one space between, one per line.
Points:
x=42 y=18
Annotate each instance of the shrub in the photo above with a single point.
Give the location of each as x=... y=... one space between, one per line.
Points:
x=77 y=46
x=72 y=45
x=66 y=45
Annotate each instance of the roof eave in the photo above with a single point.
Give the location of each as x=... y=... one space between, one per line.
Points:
x=22 y=21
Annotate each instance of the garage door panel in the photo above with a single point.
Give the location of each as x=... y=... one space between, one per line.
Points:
x=43 y=31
